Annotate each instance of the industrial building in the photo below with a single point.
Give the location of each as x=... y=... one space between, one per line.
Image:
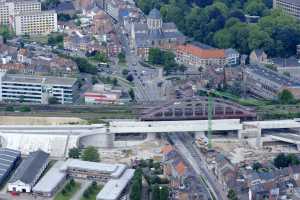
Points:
x=8 y=161
x=291 y=7
x=36 y=89
x=51 y=182
x=113 y=189
x=29 y=171
x=93 y=170
x=266 y=83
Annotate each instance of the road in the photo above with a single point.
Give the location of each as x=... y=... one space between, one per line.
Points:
x=145 y=79
x=184 y=144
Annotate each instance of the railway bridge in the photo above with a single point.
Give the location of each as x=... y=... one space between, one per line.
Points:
x=197 y=109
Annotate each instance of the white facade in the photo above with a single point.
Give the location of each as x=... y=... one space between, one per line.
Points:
x=26 y=17
x=291 y=7
x=36 y=23
x=9 y=9
x=18 y=186
x=232 y=57
x=35 y=89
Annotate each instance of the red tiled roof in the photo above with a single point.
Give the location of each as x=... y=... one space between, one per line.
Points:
x=166 y=149
x=180 y=168
x=202 y=53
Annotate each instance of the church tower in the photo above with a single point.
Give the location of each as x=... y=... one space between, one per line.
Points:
x=154 y=21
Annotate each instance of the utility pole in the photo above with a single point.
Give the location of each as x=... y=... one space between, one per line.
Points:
x=209 y=114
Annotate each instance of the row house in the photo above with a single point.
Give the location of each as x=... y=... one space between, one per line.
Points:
x=174 y=167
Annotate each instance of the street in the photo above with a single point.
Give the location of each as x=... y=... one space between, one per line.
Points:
x=184 y=144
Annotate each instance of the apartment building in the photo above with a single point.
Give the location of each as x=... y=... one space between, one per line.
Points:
x=26 y=17
x=291 y=7
x=36 y=23
x=35 y=89
x=9 y=9
x=192 y=55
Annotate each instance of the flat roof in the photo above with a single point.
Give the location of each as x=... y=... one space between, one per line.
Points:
x=295 y=2
x=113 y=188
x=47 y=80
x=115 y=170
x=51 y=179
x=7 y=159
x=35 y=13
x=289 y=136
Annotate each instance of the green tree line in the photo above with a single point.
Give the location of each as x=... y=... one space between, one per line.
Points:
x=223 y=23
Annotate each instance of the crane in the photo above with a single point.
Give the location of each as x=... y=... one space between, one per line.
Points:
x=209 y=115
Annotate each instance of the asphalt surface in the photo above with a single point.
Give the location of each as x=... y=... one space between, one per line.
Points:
x=184 y=144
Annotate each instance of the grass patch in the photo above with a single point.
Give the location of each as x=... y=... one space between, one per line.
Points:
x=69 y=190
x=91 y=192
x=242 y=101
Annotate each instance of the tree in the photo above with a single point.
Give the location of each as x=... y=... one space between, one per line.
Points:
x=282 y=160
x=10 y=109
x=100 y=57
x=84 y=66
x=74 y=153
x=125 y=72
x=155 y=56
x=136 y=186
x=232 y=195
x=155 y=192
x=25 y=109
x=90 y=154
x=159 y=192
x=72 y=182
x=129 y=77
x=122 y=57
x=55 y=39
x=256 y=166
x=164 y=193
x=115 y=81
x=94 y=80
x=255 y=7
x=5 y=32
x=131 y=94
x=286 y=97
x=77 y=22
x=63 y=17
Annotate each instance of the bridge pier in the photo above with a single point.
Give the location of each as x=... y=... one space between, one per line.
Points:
x=258 y=138
x=109 y=140
x=150 y=136
x=253 y=132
